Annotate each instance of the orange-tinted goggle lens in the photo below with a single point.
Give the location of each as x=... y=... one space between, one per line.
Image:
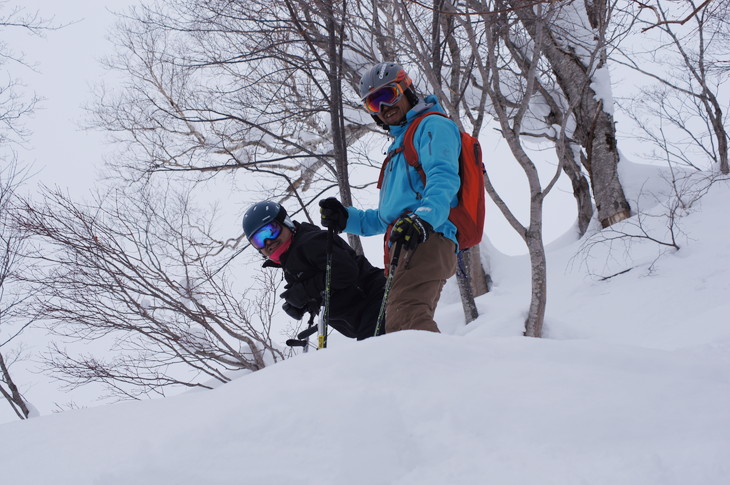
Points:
x=387 y=95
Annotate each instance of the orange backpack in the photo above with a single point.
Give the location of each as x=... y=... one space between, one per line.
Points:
x=468 y=215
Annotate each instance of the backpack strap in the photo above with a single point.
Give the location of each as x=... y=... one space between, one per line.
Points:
x=391 y=154
x=409 y=149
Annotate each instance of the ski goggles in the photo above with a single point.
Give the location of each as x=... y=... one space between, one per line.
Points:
x=388 y=95
x=269 y=231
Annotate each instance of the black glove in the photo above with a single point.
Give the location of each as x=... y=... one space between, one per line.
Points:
x=334 y=215
x=294 y=312
x=410 y=231
x=303 y=296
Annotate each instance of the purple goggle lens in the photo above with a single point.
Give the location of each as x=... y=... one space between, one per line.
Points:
x=387 y=95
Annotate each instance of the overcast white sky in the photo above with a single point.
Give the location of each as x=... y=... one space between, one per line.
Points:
x=67 y=65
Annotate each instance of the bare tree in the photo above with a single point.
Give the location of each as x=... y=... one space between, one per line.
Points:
x=657 y=223
x=512 y=88
x=217 y=86
x=685 y=105
x=14 y=299
x=331 y=60
x=128 y=270
x=571 y=81
x=15 y=105
x=465 y=89
x=576 y=47
x=572 y=85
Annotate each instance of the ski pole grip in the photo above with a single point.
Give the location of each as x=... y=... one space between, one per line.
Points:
x=307 y=332
x=292 y=342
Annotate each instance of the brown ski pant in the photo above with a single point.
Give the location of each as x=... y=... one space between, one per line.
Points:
x=417 y=284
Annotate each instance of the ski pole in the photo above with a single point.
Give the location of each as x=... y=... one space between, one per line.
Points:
x=388 y=284
x=324 y=321
x=302 y=339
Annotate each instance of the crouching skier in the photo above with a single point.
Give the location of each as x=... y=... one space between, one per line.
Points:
x=300 y=249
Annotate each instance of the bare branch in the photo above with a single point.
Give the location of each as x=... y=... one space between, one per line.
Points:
x=664 y=21
x=128 y=270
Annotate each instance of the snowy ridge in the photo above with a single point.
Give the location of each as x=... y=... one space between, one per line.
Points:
x=631 y=386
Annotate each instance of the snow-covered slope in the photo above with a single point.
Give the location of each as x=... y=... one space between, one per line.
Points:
x=632 y=386
x=411 y=408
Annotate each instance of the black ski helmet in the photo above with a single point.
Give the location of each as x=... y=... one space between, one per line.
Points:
x=261 y=213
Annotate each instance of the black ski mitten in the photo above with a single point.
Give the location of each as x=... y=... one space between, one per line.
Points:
x=295 y=312
x=333 y=213
x=302 y=295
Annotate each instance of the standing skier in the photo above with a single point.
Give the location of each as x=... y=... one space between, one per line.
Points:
x=300 y=249
x=410 y=213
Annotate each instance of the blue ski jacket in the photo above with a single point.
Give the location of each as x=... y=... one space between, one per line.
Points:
x=438 y=143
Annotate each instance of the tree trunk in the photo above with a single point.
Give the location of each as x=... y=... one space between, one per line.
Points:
x=385 y=35
x=538 y=262
x=581 y=189
x=13 y=397
x=715 y=115
x=337 y=117
x=510 y=121
x=595 y=129
x=465 y=289
x=479 y=277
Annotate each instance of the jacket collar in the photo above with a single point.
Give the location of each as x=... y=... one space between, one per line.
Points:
x=429 y=103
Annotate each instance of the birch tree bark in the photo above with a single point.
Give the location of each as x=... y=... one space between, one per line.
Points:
x=574 y=46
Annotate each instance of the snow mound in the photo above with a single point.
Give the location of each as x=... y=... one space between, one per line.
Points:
x=409 y=408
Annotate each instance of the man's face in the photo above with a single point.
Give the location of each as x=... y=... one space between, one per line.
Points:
x=393 y=115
